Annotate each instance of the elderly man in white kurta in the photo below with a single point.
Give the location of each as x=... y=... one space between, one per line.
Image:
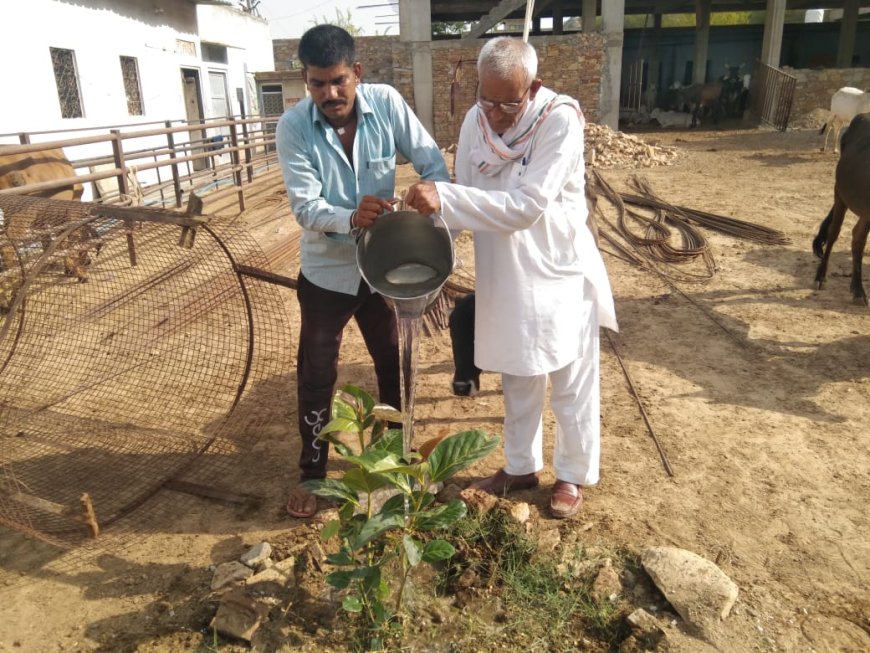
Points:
x=541 y=286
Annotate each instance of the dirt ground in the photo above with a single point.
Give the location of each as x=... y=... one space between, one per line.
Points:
x=756 y=385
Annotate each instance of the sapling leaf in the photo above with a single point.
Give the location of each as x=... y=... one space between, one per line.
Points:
x=413 y=550
x=338 y=424
x=339 y=445
x=395 y=505
x=340 y=558
x=331 y=488
x=387 y=413
x=360 y=400
x=362 y=480
x=374 y=527
x=390 y=440
x=398 y=481
x=417 y=472
x=339 y=579
x=375 y=460
x=341 y=410
x=352 y=603
x=346 y=511
x=369 y=576
x=457 y=452
x=439 y=517
x=437 y=550
x=382 y=592
x=330 y=529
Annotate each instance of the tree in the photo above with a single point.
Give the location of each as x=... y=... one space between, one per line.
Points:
x=343 y=20
x=454 y=28
x=250 y=6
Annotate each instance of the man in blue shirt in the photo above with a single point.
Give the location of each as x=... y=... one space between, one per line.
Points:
x=338 y=154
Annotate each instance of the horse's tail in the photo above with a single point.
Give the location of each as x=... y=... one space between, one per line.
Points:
x=821 y=238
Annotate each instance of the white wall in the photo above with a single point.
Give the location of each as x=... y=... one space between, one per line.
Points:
x=99 y=32
x=249 y=47
x=98 y=35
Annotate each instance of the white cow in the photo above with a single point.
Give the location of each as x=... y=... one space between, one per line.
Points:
x=846 y=103
x=672 y=118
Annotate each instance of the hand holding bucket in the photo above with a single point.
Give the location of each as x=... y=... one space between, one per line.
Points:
x=406 y=257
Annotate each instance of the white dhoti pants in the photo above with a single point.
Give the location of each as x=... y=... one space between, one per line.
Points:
x=575 y=401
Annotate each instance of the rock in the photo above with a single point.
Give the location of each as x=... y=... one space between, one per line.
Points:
x=606 y=148
x=607 y=582
x=327 y=515
x=285 y=566
x=519 y=512
x=451 y=491
x=646 y=633
x=698 y=590
x=272 y=575
x=478 y=501
x=548 y=540
x=257 y=554
x=239 y=616
x=467 y=579
x=229 y=572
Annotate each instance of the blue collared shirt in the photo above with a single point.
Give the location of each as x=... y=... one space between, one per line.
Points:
x=324 y=188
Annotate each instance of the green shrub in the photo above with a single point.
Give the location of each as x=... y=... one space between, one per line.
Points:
x=401 y=534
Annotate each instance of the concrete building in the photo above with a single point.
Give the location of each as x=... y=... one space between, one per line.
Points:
x=74 y=68
x=602 y=64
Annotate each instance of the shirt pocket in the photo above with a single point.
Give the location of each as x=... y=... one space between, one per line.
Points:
x=517 y=173
x=379 y=177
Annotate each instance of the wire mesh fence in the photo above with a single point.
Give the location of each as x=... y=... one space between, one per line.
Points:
x=127 y=343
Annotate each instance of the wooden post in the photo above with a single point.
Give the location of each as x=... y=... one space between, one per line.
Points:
x=176 y=182
x=237 y=171
x=120 y=164
x=247 y=144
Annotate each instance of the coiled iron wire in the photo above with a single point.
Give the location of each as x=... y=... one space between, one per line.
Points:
x=655 y=248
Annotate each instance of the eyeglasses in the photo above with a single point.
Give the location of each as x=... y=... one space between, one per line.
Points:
x=509 y=108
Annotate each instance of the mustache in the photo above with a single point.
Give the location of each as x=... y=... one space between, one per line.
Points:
x=334 y=103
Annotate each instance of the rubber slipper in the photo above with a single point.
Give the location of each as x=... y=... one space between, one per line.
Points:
x=302 y=497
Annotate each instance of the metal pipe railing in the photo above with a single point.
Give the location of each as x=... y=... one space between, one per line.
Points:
x=247 y=145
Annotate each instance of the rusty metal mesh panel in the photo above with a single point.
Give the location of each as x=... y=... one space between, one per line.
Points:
x=123 y=356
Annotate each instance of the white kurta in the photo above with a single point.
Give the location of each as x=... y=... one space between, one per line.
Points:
x=532 y=248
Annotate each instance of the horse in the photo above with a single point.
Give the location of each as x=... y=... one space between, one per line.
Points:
x=852 y=181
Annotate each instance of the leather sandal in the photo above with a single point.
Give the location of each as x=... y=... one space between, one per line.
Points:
x=501 y=483
x=566 y=499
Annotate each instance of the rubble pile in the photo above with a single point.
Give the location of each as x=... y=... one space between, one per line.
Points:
x=811 y=120
x=606 y=148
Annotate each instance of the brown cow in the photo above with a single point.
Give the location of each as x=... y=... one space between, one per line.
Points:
x=33 y=167
x=21 y=170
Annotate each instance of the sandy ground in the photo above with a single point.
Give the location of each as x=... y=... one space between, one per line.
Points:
x=756 y=386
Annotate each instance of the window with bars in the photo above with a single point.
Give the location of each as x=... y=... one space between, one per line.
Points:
x=67 y=80
x=130 y=74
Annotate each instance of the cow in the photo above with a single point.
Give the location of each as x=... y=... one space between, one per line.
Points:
x=22 y=170
x=851 y=181
x=466 y=376
x=672 y=118
x=701 y=100
x=846 y=103
x=33 y=167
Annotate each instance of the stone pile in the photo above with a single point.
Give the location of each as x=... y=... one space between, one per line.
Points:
x=606 y=148
x=811 y=120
